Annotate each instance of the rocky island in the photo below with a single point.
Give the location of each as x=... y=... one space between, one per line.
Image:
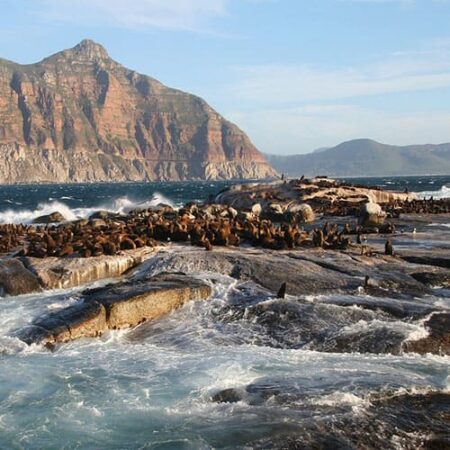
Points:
x=312 y=258
x=311 y=236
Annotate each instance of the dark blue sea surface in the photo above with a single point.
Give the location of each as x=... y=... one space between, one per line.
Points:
x=429 y=185
x=24 y=202
x=87 y=195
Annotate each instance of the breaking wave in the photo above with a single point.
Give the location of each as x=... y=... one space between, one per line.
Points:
x=121 y=205
x=444 y=192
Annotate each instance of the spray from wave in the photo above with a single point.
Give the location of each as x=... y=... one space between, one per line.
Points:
x=444 y=192
x=121 y=205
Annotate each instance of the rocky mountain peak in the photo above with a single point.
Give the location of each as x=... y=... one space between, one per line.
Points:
x=91 y=50
x=80 y=116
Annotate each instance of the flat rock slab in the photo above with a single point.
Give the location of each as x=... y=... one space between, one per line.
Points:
x=16 y=279
x=63 y=273
x=431 y=257
x=305 y=272
x=116 y=306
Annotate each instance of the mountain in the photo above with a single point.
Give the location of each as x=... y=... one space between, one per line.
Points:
x=79 y=116
x=364 y=157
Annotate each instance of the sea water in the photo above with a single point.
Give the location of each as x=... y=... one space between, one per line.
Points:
x=152 y=387
x=22 y=203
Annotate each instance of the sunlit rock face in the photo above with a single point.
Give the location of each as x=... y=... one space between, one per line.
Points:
x=80 y=116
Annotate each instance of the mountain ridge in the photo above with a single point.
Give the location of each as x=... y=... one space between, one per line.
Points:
x=78 y=115
x=366 y=157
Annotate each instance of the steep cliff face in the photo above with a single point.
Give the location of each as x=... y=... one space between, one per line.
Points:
x=80 y=116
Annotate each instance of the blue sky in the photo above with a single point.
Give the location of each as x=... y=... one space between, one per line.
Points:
x=294 y=74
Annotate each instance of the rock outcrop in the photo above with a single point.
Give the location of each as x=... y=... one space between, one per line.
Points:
x=371 y=214
x=116 y=306
x=16 y=279
x=79 y=116
x=308 y=272
x=54 y=217
x=299 y=196
x=438 y=339
x=63 y=273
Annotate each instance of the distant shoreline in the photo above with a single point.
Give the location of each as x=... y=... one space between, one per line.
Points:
x=233 y=180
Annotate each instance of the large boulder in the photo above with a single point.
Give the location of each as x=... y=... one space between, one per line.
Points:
x=122 y=305
x=257 y=209
x=302 y=213
x=16 y=279
x=371 y=214
x=54 y=217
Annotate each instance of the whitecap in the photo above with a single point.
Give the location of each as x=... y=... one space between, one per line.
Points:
x=121 y=205
x=443 y=192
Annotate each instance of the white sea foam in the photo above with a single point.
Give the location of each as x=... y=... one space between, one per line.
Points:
x=446 y=225
x=116 y=390
x=120 y=205
x=444 y=192
x=340 y=399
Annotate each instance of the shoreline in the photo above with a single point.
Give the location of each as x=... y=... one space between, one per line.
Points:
x=292 y=243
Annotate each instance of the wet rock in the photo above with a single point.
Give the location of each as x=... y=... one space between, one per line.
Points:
x=430 y=257
x=116 y=306
x=308 y=272
x=130 y=303
x=318 y=326
x=104 y=215
x=438 y=339
x=63 y=273
x=433 y=278
x=54 y=217
x=409 y=421
x=230 y=395
x=371 y=214
x=400 y=308
x=268 y=270
x=377 y=341
x=85 y=319
x=16 y=279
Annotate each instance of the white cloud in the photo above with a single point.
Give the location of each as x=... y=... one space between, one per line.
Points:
x=302 y=83
x=166 y=14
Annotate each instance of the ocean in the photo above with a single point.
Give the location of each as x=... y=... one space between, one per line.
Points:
x=22 y=203
x=151 y=388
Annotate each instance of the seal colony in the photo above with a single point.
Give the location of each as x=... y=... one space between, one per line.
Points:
x=290 y=237
x=273 y=216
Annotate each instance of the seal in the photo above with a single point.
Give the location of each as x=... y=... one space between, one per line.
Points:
x=389 y=248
